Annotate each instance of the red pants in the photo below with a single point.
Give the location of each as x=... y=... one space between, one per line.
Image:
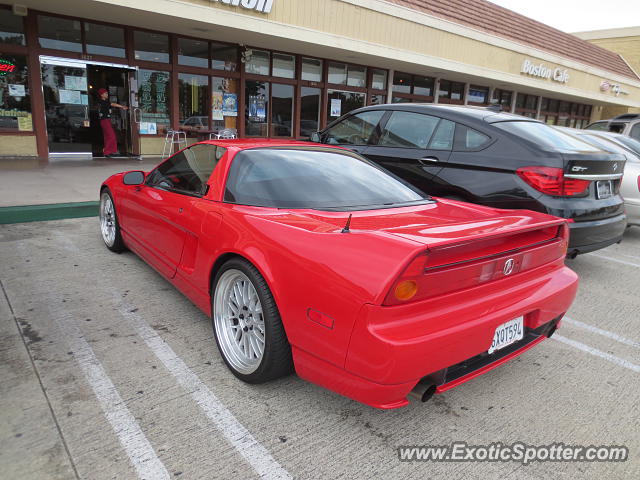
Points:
x=110 y=141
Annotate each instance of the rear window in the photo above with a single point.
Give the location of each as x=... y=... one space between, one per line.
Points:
x=630 y=143
x=319 y=179
x=546 y=137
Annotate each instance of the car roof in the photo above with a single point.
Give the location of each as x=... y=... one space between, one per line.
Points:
x=453 y=112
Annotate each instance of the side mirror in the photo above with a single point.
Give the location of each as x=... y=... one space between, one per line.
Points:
x=133 y=178
x=316 y=137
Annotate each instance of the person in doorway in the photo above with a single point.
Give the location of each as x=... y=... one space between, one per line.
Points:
x=104 y=115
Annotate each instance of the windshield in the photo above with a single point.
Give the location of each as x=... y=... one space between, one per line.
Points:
x=546 y=136
x=319 y=178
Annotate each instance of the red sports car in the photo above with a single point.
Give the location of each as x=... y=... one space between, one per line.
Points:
x=310 y=257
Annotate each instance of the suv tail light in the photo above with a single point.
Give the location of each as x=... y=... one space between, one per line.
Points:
x=552 y=181
x=639 y=183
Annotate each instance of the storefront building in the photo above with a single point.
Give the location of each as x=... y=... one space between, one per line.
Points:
x=278 y=68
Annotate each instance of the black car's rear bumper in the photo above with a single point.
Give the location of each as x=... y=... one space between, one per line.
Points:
x=596 y=234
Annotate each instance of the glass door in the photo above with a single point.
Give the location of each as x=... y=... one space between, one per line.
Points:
x=66 y=101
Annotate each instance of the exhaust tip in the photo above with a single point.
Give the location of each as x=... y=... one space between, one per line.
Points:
x=423 y=391
x=572 y=255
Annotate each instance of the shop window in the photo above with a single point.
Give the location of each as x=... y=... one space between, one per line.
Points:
x=153 y=99
x=15 y=101
x=400 y=100
x=59 y=33
x=311 y=69
x=356 y=76
x=402 y=82
x=224 y=57
x=503 y=98
x=423 y=86
x=337 y=73
x=152 y=47
x=224 y=103
x=377 y=99
x=193 y=92
x=378 y=79
x=104 y=40
x=258 y=62
x=194 y=53
x=355 y=129
x=309 y=110
x=450 y=92
x=408 y=130
x=281 y=110
x=532 y=102
x=11 y=28
x=284 y=65
x=478 y=95
x=257 y=107
x=340 y=102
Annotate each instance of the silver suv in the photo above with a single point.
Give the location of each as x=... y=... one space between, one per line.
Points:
x=627 y=124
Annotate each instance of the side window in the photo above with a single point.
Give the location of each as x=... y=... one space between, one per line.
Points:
x=409 y=130
x=443 y=138
x=469 y=139
x=354 y=130
x=635 y=131
x=187 y=171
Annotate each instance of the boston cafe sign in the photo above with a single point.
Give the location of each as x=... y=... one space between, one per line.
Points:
x=263 y=6
x=541 y=70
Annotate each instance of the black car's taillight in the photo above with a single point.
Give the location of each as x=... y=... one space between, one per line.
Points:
x=552 y=181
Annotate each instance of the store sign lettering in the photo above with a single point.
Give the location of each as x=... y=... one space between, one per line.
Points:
x=541 y=70
x=263 y=6
x=6 y=67
x=615 y=88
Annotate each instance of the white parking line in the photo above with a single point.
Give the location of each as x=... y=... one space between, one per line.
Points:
x=616 y=260
x=598 y=353
x=131 y=437
x=236 y=434
x=600 y=331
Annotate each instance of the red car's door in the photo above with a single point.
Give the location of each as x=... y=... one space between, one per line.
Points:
x=156 y=214
x=156 y=219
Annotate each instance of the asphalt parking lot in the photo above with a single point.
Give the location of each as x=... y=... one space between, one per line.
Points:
x=109 y=373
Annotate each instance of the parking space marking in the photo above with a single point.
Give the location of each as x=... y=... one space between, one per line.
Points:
x=598 y=353
x=133 y=440
x=236 y=434
x=617 y=260
x=600 y=331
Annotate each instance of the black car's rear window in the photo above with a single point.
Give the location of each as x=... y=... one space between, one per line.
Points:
x=321 y=179
x=546 y=137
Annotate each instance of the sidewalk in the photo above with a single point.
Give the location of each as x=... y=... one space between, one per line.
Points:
x=33 y=182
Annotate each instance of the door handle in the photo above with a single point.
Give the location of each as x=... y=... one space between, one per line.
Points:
x=427 y=160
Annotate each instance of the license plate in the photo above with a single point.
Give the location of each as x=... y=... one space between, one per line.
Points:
x=604 y=188
x=507 y=333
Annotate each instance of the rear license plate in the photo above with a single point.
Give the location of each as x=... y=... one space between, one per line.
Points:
x=604 y=188
x=507 y=333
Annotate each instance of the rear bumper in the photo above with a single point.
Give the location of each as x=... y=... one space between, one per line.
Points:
x=596 y=234
x=393 y=348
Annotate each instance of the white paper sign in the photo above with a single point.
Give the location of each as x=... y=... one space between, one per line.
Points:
x=75 y=83
x=148 y=128
x=16 y=90
x=336 y=107
x=70 y=96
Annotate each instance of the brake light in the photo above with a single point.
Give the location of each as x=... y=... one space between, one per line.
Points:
x=552 y=181
x=639 y=183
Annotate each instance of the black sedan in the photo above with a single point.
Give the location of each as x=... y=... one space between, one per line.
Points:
x=497 y=159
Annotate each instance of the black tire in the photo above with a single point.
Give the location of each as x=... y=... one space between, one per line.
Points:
x=117 y=245
x=276 y=360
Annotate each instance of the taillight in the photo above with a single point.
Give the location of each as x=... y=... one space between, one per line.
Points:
x=407 y=287
x=639 y=183
x=552 y=181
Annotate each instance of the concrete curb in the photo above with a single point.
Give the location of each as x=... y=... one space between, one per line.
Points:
x=43 y=213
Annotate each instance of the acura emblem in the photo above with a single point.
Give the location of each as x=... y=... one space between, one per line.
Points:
x=508 y=267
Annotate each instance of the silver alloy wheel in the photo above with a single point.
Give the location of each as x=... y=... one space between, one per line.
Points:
x=107 y=219
x=239 y=322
